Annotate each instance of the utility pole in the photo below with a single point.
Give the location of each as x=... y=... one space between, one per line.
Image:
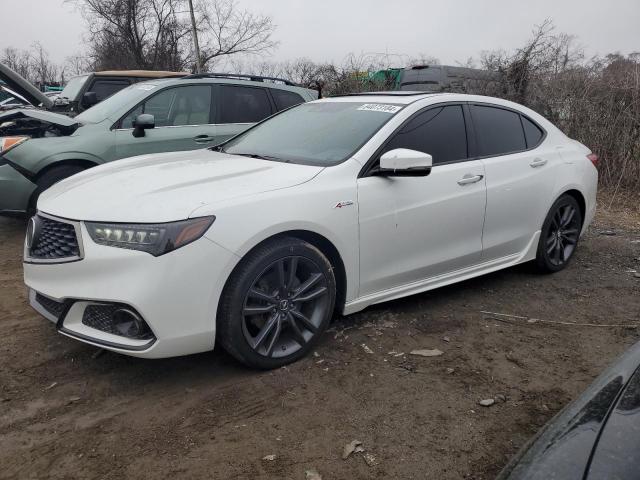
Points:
x=196 y=45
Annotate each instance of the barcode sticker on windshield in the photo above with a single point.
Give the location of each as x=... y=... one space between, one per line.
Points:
x=379 y=107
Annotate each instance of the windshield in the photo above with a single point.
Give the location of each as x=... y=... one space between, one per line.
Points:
x=126 y=98
x=73 y=86
x=322 y=133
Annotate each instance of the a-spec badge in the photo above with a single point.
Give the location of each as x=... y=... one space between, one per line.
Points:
x=344 y=203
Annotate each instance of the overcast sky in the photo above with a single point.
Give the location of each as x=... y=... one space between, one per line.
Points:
x=330 y=29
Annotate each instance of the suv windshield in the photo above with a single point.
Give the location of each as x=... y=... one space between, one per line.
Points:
x=73 y=87
x=321 y=133
x=126 y=98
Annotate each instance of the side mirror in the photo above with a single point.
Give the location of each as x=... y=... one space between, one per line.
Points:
x=143 y=122
x=89 y=99
x=405 y=162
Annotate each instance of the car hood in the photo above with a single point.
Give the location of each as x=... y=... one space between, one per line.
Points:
x=23 y=87
x=32 y=122
x=166 y=187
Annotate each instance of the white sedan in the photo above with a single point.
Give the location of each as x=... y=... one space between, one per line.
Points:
x=325 y=208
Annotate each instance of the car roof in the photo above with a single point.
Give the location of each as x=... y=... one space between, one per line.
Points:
x=140 y=73
x=195 y=79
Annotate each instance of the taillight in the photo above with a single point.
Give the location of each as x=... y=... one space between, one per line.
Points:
x=594 y=159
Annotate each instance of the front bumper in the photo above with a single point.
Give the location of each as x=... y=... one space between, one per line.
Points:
x=176 y=294
x=15 y=190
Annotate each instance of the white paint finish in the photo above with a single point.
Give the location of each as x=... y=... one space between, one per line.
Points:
x=400 y=236
x=418 y=227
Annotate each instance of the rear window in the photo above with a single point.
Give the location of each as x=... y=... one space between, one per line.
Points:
x=243 y=104
x=285 y=99
x=105 y=88
x=499 y=131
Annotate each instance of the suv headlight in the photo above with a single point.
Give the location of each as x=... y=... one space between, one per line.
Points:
x=156 y=239
x=7 y=143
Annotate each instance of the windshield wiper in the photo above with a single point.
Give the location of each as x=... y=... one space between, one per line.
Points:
x=261 y=157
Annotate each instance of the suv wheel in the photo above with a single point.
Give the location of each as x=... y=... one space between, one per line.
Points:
x=276 y=304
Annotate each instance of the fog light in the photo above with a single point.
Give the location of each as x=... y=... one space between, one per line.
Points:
x=116 y=319
x=129 y=324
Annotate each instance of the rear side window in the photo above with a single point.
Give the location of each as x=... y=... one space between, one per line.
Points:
x=243 y=104
x=105 y=88
x=499 y=131
x=285 y=99
x=532 y=132
x=440 y=132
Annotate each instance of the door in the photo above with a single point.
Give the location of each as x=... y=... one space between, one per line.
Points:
x=414 y=228
x=182 y=122
x=239 y=107
x=519 y=177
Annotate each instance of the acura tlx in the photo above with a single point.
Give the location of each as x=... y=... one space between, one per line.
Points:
x=322 y=209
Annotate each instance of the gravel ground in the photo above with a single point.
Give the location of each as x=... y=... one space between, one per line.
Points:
x=68 y=410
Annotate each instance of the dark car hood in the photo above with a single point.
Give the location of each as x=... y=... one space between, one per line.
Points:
x=30 y=93
x=596 y=436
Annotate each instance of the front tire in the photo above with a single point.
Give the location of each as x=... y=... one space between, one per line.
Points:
x=276 y=304
x=559 y=236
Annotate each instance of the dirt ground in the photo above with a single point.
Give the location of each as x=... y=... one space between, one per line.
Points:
x=69 y=411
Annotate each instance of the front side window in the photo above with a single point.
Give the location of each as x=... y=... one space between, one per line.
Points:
x=317 y=133
x=179 y=106
x=498 y=131
x=439 y=131
x=243 y=104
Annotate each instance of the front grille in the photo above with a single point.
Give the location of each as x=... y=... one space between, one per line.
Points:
x=52 y=306
x=54 y=240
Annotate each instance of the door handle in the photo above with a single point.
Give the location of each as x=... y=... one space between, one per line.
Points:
x=538 y=162
x=203 y=139
x=468 y=179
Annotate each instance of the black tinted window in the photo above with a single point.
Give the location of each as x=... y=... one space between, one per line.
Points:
x=243 y=104
x=499 y=131
x=440 y=132
x=105 y=88
x=285 y=99
x=532 y=132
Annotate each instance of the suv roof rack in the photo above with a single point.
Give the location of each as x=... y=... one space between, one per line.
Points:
x=392 y=93
x=240 y=76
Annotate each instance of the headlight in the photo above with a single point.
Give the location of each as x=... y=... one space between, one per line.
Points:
x=156 y=239
x=7 y=143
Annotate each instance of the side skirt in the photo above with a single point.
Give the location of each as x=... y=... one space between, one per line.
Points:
x=361 y=303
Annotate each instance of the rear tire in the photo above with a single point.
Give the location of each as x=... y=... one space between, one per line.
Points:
x=48 y=179
x=276 y=304
x=560 y=235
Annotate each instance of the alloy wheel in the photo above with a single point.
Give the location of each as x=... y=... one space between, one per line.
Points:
x=563 y=234
x=285 y=306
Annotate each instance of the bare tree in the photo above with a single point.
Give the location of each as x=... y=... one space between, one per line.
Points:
x=226 y=30
x=44 y=70
x=147 y=34
x=19 y=61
